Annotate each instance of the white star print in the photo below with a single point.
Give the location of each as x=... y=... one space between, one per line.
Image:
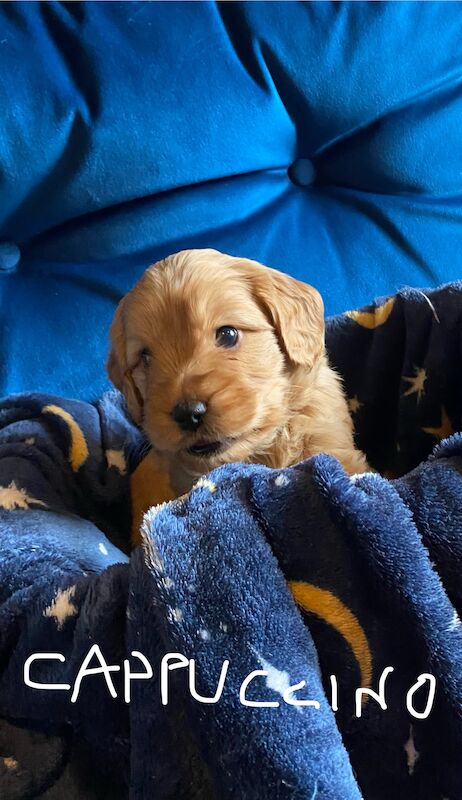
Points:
x=277 y=679
x=205 y=483
x=61 y=607
x=455 y=622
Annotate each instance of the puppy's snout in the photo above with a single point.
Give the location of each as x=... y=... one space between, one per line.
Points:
x=189 y=414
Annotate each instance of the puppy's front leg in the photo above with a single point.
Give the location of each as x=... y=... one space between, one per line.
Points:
x=149 y=486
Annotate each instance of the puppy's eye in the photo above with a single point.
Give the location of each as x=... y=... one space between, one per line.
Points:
x=145 y=356
x=226 y=336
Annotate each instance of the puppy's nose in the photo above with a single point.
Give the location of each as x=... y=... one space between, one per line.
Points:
x=189 y=414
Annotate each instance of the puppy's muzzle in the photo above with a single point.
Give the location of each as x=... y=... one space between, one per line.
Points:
x=189 y=414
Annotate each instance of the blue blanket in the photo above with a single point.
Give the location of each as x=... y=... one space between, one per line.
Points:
x=333 y=601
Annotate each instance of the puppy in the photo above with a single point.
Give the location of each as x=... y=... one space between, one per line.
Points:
x=221 y=359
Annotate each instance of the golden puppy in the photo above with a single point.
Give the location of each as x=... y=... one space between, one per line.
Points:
x=221 y=359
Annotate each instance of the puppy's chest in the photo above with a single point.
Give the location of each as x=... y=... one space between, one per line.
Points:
x=291 y=445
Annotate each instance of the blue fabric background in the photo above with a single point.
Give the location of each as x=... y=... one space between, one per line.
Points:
x=131 y=130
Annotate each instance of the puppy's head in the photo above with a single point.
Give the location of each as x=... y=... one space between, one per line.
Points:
x=206 y=348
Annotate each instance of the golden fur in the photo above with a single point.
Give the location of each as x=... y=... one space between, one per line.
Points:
x=273 y=399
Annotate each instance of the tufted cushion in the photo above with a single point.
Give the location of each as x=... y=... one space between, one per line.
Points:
x=320 y=138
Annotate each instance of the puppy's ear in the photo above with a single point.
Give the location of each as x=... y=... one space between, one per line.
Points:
x=118 y=367
x=295 y=310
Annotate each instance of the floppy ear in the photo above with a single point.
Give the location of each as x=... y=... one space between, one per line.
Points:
x=118 y=367
x=295 y=310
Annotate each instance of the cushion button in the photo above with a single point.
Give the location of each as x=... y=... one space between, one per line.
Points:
x=302 y=172
x=10 y=255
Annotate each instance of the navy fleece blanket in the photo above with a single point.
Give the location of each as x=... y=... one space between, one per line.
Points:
x=280 y=633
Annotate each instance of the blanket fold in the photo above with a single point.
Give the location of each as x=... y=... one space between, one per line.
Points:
x=334 y=601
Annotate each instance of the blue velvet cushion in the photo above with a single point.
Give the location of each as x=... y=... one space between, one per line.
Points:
x=320 y=138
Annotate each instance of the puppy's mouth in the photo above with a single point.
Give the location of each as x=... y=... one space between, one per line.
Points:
x=206 y=448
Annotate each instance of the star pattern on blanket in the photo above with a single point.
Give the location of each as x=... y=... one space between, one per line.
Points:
x=116 y=458
x=12 y=497
x=354 y=404
x=205 y=483
x=417 y=383
x=412 y=754
x=62 y=607
x=455 y=621
x=445 y=428
x=277 y=679
x=10 y=763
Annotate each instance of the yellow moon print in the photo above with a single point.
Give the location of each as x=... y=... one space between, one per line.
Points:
x=330 y=609
x=373 y=319
x=78 y=452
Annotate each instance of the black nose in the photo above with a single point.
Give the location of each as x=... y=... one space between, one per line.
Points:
x=189 y=414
